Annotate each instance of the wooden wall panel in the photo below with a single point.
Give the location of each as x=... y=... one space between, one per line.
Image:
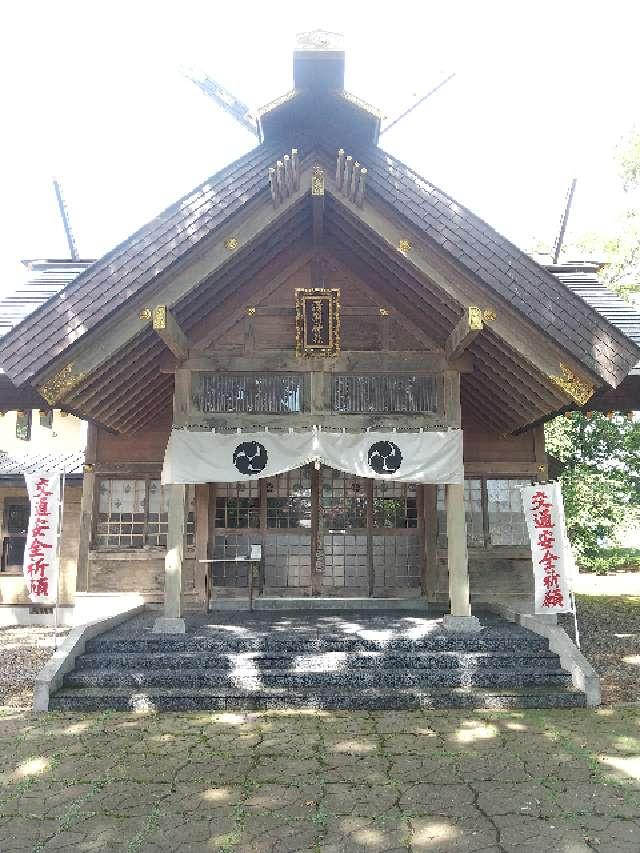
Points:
x=360 y=333
x=146 y=446
x=126 y=573
x=233 y=338
x=491 y=447
x=135 y=572
x=277 y=332
x=491 y=578
x=400 y=338
x=284 y=296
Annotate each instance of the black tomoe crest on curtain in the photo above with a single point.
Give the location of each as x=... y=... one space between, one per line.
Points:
x=250 y=457
x=384 y=457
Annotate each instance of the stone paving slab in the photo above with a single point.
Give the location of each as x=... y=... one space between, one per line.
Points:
x=321 y=782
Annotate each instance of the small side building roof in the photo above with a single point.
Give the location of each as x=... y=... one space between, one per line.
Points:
x=581 y=278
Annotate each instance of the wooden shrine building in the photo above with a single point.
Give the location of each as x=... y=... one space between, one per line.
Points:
x=319 y=352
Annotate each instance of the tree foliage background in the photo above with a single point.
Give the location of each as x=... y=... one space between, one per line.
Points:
x=600 y=476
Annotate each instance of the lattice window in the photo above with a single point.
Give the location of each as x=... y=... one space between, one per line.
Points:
x=252 y=393
x=157 y=516
x=473 y=513
x=394 y=504
x=391 y=393
x=121 y=513
x=228 y=547
x=507 y=525
x=289 y=499
x=396 y=560
x=343 y=500
x=237 y=505
x=504 y=523
x=131 y=514
x=287 y=560
x=190 y=520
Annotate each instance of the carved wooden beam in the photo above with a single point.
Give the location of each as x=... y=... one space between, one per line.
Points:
x=353 y=361
x=167 y=327
x=466 y=331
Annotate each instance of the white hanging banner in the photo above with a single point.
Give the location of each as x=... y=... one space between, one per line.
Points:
x=205 y=457
x=413 y=457
x=553 y=562
x=40 y=566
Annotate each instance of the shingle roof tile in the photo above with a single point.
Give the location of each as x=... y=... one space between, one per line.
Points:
x=504 y=267
x=124 y=271
x=121 y=274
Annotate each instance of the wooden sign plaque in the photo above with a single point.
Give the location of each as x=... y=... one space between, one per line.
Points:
x=317 y=321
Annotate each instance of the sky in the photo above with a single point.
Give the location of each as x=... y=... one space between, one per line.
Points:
x=93 y=93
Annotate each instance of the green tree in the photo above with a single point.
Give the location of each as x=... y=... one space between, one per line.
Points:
x=600 y=475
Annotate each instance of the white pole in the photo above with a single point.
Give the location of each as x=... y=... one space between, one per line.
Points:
x=58 y=555
x=575 y=618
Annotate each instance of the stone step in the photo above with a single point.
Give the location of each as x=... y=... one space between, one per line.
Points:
x=251 y=678
x=179 y=699
x=311 y=603
x=523 y=643
x=456 y=660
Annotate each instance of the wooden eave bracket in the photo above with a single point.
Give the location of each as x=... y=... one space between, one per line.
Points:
x=466 y=330
x=62 y=383
x=573 y=385
x=351 y=178
x=165 y=325
x=284 y=178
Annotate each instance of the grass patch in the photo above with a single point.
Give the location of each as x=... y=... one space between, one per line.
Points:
x=610 y=560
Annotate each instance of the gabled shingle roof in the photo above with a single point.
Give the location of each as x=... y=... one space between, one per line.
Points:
x=566 y=317
x=470 y=242
x=128 y=268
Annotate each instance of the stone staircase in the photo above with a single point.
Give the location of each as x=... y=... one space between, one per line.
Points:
x=354 y=661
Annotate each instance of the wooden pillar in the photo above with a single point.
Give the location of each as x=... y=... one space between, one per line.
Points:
x=86 y=509
x=430 y=573
x=316 y=576
x=172 y=622
x=202 y=540
x=459 y=618
x=421 y=535
x=181 y=397
x=175 y=553
x=371 y=570
x=540 y=453
x=457 y=552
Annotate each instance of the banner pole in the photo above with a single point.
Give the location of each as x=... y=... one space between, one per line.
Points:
x=58 y=555
x=575 y=618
